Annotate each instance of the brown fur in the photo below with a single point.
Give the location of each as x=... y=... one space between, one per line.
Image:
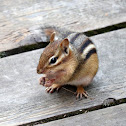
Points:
x=89 y=68
x=64 y=70
x=47 y=53
x=70 y=67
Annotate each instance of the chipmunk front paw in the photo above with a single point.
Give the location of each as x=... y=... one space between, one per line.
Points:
x=42 y=81
x=46 y=82
x=52 y=88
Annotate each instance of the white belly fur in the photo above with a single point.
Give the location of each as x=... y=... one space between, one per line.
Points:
x=83 y=81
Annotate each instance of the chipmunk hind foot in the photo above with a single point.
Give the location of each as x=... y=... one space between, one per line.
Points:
x=81 y=92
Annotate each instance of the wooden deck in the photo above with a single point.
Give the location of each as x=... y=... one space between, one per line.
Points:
x=18 y=18
x=23 y=101
x=115 y=116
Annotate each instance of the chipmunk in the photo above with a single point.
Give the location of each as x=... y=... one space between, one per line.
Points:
x=72 y=60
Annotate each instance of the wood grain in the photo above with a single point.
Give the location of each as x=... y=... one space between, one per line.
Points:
x=115 y=116
x=18 y=17
x=23 y=100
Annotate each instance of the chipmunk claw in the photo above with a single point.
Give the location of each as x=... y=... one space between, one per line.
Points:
x=81 y=92
x=80 y=95
x=52 y=88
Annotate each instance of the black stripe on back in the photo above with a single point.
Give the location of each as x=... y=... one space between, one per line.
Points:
x=90 y=53
x=87 y=42
x=74 y=38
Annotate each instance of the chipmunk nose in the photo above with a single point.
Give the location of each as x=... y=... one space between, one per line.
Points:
x=40 y=71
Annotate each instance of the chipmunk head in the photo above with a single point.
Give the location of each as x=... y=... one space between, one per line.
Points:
x=57 y=61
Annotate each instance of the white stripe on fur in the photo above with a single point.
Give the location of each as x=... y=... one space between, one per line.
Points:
x=87 y=49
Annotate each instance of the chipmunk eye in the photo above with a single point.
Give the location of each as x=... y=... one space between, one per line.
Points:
x=53 y=60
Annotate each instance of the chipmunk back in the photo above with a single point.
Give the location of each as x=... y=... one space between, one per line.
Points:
x=72 y=60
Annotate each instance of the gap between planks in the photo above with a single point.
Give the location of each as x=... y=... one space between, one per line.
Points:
x=39 y=45
x=106 y=104
x=106 y=117
x=29 y=102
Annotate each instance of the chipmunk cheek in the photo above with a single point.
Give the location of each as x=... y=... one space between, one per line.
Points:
x=60 y=73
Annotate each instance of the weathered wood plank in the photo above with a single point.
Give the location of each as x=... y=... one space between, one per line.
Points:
x=23 y=100
x=113 y=116
x=16 y=17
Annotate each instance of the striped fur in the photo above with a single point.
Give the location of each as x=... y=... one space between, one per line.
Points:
x=88 y=49
x=86 y=43
x=83 y=44
x=90 y=53
x=75 y=37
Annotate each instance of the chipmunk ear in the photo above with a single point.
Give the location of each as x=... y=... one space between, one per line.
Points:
x=64 y=45
x=52 y=37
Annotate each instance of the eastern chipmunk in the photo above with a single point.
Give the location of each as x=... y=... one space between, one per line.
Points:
x=72 y=60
